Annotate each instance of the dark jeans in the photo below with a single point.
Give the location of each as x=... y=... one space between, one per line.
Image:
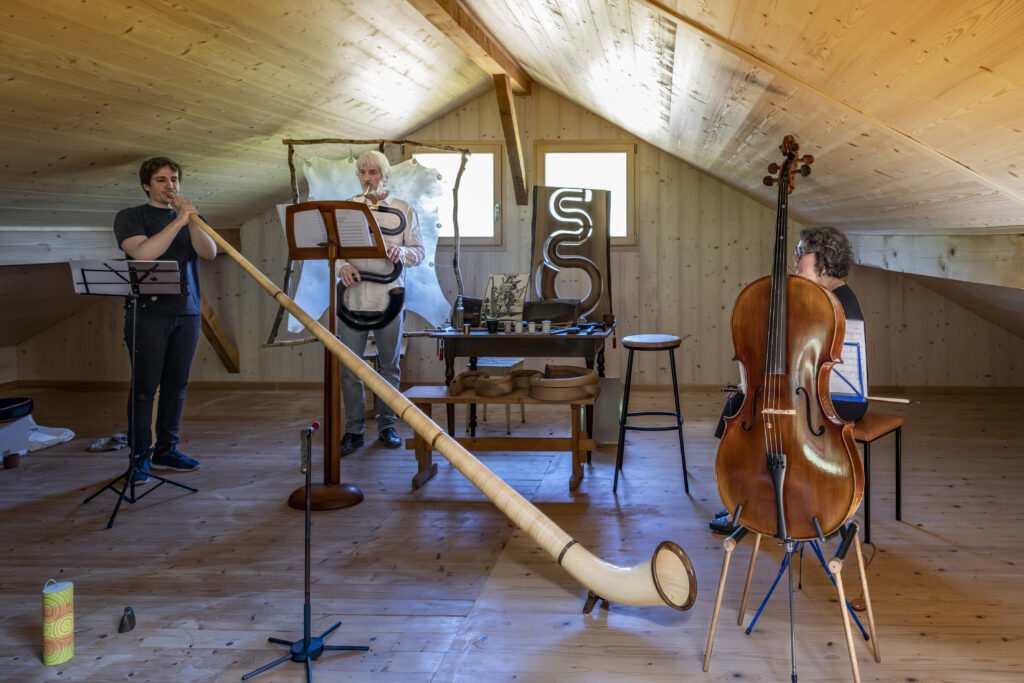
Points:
x=163 y=355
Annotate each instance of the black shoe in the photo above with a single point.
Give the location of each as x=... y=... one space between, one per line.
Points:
x=141 y=475
x=175 y=461
x=389 y=437
x=720 y=525
x=350 y=442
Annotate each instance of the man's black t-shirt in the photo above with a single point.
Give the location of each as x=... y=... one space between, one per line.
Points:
x=148 y=220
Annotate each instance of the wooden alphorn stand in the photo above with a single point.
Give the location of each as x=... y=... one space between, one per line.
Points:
x=332 y=494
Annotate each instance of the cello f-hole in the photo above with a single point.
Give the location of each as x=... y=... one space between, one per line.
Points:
x=807 y=403
x=753 y=412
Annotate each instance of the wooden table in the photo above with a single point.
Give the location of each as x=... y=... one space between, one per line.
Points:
x=578 y=443
x=589 y=347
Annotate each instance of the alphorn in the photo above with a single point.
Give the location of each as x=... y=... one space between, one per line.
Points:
x=666 y=578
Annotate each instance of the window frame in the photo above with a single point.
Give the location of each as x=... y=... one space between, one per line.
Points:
x=628 y=147
x=497 y=239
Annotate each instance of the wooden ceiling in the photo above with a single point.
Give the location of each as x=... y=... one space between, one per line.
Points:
x=912 y=109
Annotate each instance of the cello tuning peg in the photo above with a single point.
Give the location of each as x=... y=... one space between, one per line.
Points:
x=768 y=180
x=773 y=167
x=808 y=159
x=805 y=170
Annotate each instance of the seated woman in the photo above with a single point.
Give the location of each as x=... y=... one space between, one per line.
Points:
x=824 y=255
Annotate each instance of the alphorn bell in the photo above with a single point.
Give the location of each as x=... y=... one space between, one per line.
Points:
x=667 y=578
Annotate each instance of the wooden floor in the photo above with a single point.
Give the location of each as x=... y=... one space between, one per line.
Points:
x=440 y=586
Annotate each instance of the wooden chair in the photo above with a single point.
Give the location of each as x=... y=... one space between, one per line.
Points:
x=870 y=428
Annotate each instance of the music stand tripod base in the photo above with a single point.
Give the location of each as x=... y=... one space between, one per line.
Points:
x=326 y=497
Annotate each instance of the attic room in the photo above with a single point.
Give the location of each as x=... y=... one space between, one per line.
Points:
x=504 y=558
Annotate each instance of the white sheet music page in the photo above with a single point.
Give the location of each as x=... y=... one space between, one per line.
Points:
x=309 y=228
x=849 y=379
x=353 y=230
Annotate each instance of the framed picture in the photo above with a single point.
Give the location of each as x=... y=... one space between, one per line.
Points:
x=505 y=295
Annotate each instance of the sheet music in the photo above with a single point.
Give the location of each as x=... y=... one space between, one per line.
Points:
x=310 y=230
x=353 y=230
x=849 y=380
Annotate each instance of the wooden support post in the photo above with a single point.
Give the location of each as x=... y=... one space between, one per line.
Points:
x=223 y=345
x=513 y=144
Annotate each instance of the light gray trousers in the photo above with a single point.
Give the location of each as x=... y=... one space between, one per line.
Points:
x=389 y=344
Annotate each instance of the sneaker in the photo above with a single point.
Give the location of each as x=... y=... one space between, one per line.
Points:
x=389 y=437
x=350 y=442
x=141 y=475
x=174 y=461
x=721 y=525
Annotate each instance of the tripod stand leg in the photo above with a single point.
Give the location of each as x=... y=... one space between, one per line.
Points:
x=165 y=480
x=728 y=545
x=835 y=566
x=750 y=576
x=266 y=666
x=108 y=485
x=875 y=646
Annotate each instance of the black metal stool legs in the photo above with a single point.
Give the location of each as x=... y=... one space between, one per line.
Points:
x=623 y=416
x=626 y=414
x=679 y=418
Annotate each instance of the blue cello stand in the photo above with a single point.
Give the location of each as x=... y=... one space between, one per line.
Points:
x=849 y=535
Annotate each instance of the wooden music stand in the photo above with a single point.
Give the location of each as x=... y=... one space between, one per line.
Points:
x=331 y=230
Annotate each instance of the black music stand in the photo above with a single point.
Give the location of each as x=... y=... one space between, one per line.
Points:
x=132 y=279
x=308 y=647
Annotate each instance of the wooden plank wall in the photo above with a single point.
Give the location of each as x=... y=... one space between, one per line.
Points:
x=700 y=242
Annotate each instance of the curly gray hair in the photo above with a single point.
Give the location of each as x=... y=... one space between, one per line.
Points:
x=833 y=251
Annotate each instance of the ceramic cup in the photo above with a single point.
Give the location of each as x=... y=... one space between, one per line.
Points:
x=519 y=327
x=532 y=327
x=545 y=326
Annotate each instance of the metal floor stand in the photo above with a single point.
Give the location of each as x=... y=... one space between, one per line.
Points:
x=309 y=647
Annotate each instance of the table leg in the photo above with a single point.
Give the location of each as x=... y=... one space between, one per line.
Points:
x=600 y=362
x=590 y=427
x=425 y=468
x=577 y=455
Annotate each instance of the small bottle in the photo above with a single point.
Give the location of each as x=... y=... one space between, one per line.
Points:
x=460 y=313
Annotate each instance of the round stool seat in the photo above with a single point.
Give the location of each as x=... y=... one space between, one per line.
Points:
x=651 y=341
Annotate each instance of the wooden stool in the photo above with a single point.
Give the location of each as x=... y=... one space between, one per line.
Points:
x=869 y=428
x=650 y=342
x=499 y=367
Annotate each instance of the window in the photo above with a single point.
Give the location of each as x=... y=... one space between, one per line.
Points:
x=479 y=192
x=596 y=166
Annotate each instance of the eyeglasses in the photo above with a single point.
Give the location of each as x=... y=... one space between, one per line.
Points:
x=798 y=252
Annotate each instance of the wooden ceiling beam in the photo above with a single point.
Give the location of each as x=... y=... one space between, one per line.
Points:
x=986 y=259
x=470 y=36
x=513 y=144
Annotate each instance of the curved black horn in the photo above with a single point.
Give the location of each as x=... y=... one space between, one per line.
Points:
x=401 y=220
x=373 y=320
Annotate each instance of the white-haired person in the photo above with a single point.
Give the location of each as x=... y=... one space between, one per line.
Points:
x=405 y=248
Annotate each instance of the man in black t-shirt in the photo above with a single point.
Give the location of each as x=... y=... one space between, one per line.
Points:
x=165 y=329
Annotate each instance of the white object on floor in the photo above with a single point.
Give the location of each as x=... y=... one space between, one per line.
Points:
x=44 y=437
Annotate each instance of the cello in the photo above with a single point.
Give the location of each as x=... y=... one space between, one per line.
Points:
x=787 y=465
